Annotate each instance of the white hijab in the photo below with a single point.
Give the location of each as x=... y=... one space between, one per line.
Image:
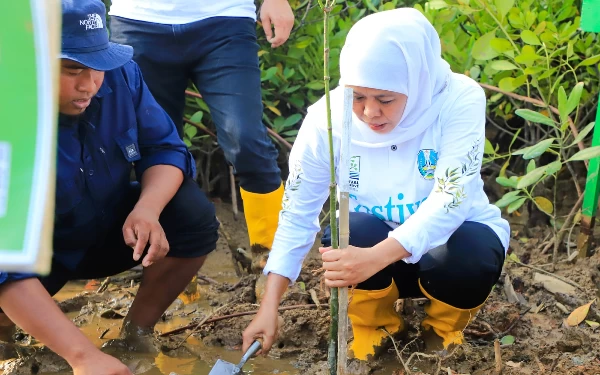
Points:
x=396 y=50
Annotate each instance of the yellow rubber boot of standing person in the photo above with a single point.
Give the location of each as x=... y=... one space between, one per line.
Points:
x=262 y=216
x=369 y=311
x=448 y=322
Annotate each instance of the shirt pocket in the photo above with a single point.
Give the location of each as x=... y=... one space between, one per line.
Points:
x=128 y=144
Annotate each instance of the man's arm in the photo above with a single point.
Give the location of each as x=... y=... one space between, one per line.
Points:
x=277 y=14
x=159 y=185
x=29 y=305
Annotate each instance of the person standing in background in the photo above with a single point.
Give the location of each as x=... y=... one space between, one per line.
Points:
x=214 y=44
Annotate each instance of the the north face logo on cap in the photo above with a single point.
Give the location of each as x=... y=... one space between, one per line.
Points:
x=94 y=21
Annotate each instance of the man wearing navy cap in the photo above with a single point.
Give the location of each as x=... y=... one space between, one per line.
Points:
x=109 y=125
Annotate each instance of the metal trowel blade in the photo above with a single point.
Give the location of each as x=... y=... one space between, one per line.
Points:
x=223 y=368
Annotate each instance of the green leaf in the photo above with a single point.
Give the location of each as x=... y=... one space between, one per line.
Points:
x=503 y=181
x=562 y=104
x=507 y=340
x=514 y=257
x=292 y=120
x=507 y=84
x=529 y=37
x=538 y=149
x=553 y=167
x=475 y=71
x=269 y=73
x=515 y=205
x=531 y=177
x=482 y=49
x=570 y=51
x=302 y=285
x=437 y=4
x=586 y=153
x=528 y=56
x=501 y=65
x=501 y=45
x=589 y=61
x=583 y=133
x=315 y=85
x=197 y=117
x=544 y=204
x=530 y=165
x=187 y=142
x=488 y=149
x=533 y=116
x=504 y=6
x=508 y=198
x=574 y=98
x=190 y=131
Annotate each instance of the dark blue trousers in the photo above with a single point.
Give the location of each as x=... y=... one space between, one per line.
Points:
x=220 y=56
x=461 y=274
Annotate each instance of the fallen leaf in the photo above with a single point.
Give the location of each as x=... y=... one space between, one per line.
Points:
x=514 y=257
x=578 y=315
x=553 y=285
x=509 y=290
x=92 y=285
x=513 y=364
x=593 y=324
x=507 y=340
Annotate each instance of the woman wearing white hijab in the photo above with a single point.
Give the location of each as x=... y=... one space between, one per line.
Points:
x=420 y=222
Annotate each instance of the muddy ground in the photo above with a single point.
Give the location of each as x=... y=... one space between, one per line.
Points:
x=526 y=312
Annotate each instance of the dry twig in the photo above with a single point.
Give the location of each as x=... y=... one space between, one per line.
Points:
x=235 y=315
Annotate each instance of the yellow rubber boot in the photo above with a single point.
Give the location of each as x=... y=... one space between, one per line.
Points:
x=448 y=322
x=369 y=311
x=262 y=216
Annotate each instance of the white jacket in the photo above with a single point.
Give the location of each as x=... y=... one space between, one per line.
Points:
x=425 y=188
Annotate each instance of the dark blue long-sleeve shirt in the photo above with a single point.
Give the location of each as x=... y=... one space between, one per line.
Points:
x=123 y=129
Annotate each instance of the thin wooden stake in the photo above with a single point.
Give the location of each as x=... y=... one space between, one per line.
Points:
x=344 y=169
x=498 y=357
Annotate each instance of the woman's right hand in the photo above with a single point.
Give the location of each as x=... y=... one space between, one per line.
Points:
x=264 y=325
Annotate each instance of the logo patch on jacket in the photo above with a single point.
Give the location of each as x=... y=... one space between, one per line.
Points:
x=354 y=173
x=426 y=163
x=131 y=151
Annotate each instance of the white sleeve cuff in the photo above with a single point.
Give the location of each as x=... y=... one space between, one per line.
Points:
x=416 y=242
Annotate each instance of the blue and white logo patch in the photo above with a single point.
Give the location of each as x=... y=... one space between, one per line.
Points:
x=426 y=163
x=131 y=151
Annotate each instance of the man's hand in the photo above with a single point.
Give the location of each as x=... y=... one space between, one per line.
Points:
x=349 y=266
x=142 y=227
x=277 y=13
x=98 y=363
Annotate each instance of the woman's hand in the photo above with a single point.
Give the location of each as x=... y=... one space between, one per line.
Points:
x=267 y=321
x=353 y=265
x=264 y=326
x=349 y=266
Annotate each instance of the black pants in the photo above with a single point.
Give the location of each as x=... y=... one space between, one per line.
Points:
x=189 y=222
x=462 y=273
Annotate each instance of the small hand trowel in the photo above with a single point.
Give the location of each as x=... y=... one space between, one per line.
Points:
x=228 y=368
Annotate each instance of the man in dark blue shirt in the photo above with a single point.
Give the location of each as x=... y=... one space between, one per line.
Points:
x=109 y=126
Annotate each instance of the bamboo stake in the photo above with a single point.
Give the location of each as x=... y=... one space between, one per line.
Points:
x=344 y=228
x=327 y=5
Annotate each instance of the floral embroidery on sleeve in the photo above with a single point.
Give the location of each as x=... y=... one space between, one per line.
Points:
x=292 y=184
x=450 y=184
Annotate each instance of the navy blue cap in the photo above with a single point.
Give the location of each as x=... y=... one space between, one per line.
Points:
x=85 y=37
